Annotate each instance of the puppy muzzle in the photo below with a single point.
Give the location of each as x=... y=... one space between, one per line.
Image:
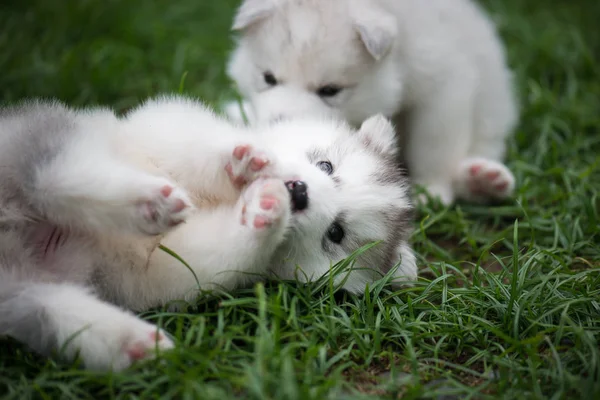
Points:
x=299 y=194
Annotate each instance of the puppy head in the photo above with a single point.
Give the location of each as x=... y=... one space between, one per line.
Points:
x=313 y=57
x=356 y=195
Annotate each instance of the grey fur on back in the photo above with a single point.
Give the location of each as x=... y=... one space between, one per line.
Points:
x=32 y=134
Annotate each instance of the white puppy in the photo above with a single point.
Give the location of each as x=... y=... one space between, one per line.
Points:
x=436 y=66
x=86 y=198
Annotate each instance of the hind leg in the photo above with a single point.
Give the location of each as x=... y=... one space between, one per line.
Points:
x=68 y=319
x=86 y=186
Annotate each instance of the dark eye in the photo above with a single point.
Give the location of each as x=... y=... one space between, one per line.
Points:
x=269 y=78
x=328 y=90
x=325 y=166
x=335 y=233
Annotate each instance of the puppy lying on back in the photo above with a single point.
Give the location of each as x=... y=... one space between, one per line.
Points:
x=86 y=198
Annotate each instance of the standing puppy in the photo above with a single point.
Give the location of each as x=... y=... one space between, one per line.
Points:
x=436 y=66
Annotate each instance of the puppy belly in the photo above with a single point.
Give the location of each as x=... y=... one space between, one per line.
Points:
x=60 y=253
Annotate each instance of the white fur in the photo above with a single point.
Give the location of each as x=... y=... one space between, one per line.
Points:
x=437 y=66
x=117 y=187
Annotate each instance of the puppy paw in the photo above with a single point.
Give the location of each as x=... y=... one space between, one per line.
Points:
x=143 y=344
x=119 y=343
x=247 y=164
x=266 y=204
x=163 y=207
x=482 y=180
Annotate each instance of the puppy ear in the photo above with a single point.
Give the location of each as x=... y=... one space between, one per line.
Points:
x=377 y=30
x=378 y=134
x=251 y=12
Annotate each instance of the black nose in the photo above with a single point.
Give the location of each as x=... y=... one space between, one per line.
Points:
x=299 y=192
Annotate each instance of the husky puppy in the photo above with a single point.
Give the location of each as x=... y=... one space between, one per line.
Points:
x=438 y=67
x=87 y=197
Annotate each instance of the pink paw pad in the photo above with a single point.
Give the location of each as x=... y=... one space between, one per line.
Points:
x=267 y=203
x=240 y=151
x=488 y=178
x=166 y=190
x=179 y=205
x=258 y=163
x=136 y=352
x=474 y=170
x=261 y=221
x=141 y=349
x=264 y=203
x=244 y=165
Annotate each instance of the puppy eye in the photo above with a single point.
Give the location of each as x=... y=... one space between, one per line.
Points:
x=326 y=167
x=335 y=233
x=328 y=90
x=269 y=78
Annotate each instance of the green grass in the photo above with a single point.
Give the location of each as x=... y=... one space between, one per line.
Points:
x=509 y=300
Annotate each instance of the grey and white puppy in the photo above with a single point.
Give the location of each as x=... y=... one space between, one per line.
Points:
x=86 y=198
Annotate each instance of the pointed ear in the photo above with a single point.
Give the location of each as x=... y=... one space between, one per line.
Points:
x=379 y=135
x=251 y=12
x=377 y=30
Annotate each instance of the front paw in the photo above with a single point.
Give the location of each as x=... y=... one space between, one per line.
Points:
x=161 y=208
x=486 y=180
x=247 y=164
x=266 y=204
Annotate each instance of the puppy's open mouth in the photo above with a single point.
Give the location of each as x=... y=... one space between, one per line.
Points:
x=298 y=194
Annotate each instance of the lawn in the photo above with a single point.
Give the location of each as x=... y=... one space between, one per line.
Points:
x=509 y=300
